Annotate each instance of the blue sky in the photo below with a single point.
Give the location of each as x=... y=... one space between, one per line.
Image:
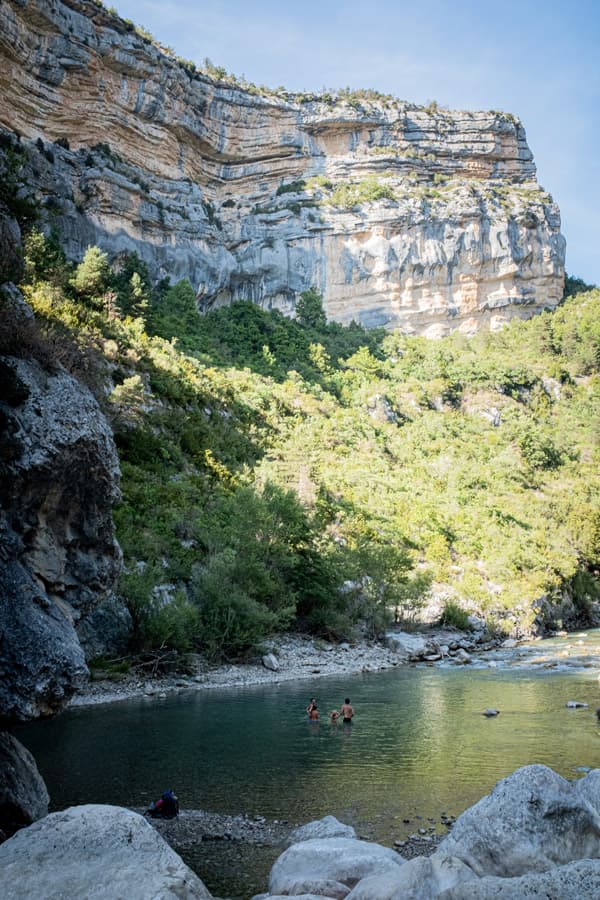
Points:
x=538 y=59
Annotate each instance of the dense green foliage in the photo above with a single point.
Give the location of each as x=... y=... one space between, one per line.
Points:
x=280 y=472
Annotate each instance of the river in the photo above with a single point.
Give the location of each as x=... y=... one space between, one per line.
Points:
x=418 y=747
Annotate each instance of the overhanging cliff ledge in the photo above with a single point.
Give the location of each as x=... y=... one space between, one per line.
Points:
x=421 y=219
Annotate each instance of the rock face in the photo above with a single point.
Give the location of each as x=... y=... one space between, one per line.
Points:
x=58 y=558
x=98 y=852
x=416 y=218
x=532 y=821
x=23 y=794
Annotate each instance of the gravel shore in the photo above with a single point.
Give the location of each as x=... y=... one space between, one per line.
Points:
x=296 y=657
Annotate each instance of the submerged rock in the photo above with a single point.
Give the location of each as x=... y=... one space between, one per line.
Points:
x=97 y=852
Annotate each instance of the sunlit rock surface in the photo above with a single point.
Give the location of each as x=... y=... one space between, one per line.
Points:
x=422 y=219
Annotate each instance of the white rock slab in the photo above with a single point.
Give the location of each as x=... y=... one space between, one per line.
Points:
x=95 y=852
x=343 y=860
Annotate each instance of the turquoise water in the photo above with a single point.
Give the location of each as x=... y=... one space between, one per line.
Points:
x=418 y=746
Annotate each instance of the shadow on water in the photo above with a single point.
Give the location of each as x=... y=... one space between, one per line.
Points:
x=419 y=746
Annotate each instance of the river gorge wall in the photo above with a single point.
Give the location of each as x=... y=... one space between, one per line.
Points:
x=422 y=219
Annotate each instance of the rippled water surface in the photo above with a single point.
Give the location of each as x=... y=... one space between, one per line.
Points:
x=418 y=745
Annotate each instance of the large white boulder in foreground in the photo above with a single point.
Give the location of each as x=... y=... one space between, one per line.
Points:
x=329 y=867
x=576 y=881
x=95 y=852
x=419 y=879
x=533 y=820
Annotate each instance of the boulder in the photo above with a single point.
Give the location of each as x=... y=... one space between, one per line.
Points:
x=329 y=866
x=107 y=630
x=408 y=646
x=577 y=880
x=532 y=821
x=23 y=794
x=419 y=879
x=270 y=662
x=327 y=827
x=588 y=789
x=98 y=852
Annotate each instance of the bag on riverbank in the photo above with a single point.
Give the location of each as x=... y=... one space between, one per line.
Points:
x=166 y=807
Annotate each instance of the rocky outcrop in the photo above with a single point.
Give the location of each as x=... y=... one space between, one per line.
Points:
x=23 y=794
x=416 y=218
x=58 y=557
x=532 y=821
x=535 y=835
x=98 y=852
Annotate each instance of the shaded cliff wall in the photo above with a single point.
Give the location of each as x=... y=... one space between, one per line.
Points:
x=420 y=219
x=59 y=477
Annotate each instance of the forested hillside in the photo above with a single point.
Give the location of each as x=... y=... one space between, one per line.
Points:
x=280 y=473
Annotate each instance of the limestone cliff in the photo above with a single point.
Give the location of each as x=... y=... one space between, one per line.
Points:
x=416 y=218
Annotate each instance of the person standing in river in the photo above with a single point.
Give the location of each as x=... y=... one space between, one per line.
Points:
x=311 y=705
x=346 y=711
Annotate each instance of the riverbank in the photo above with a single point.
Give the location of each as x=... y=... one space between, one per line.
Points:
x=293 y=658
x=234 y=854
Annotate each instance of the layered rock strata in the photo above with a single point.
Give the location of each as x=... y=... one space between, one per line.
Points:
x=416 y=218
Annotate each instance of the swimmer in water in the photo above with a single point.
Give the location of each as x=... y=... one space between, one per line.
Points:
x=347 y=711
